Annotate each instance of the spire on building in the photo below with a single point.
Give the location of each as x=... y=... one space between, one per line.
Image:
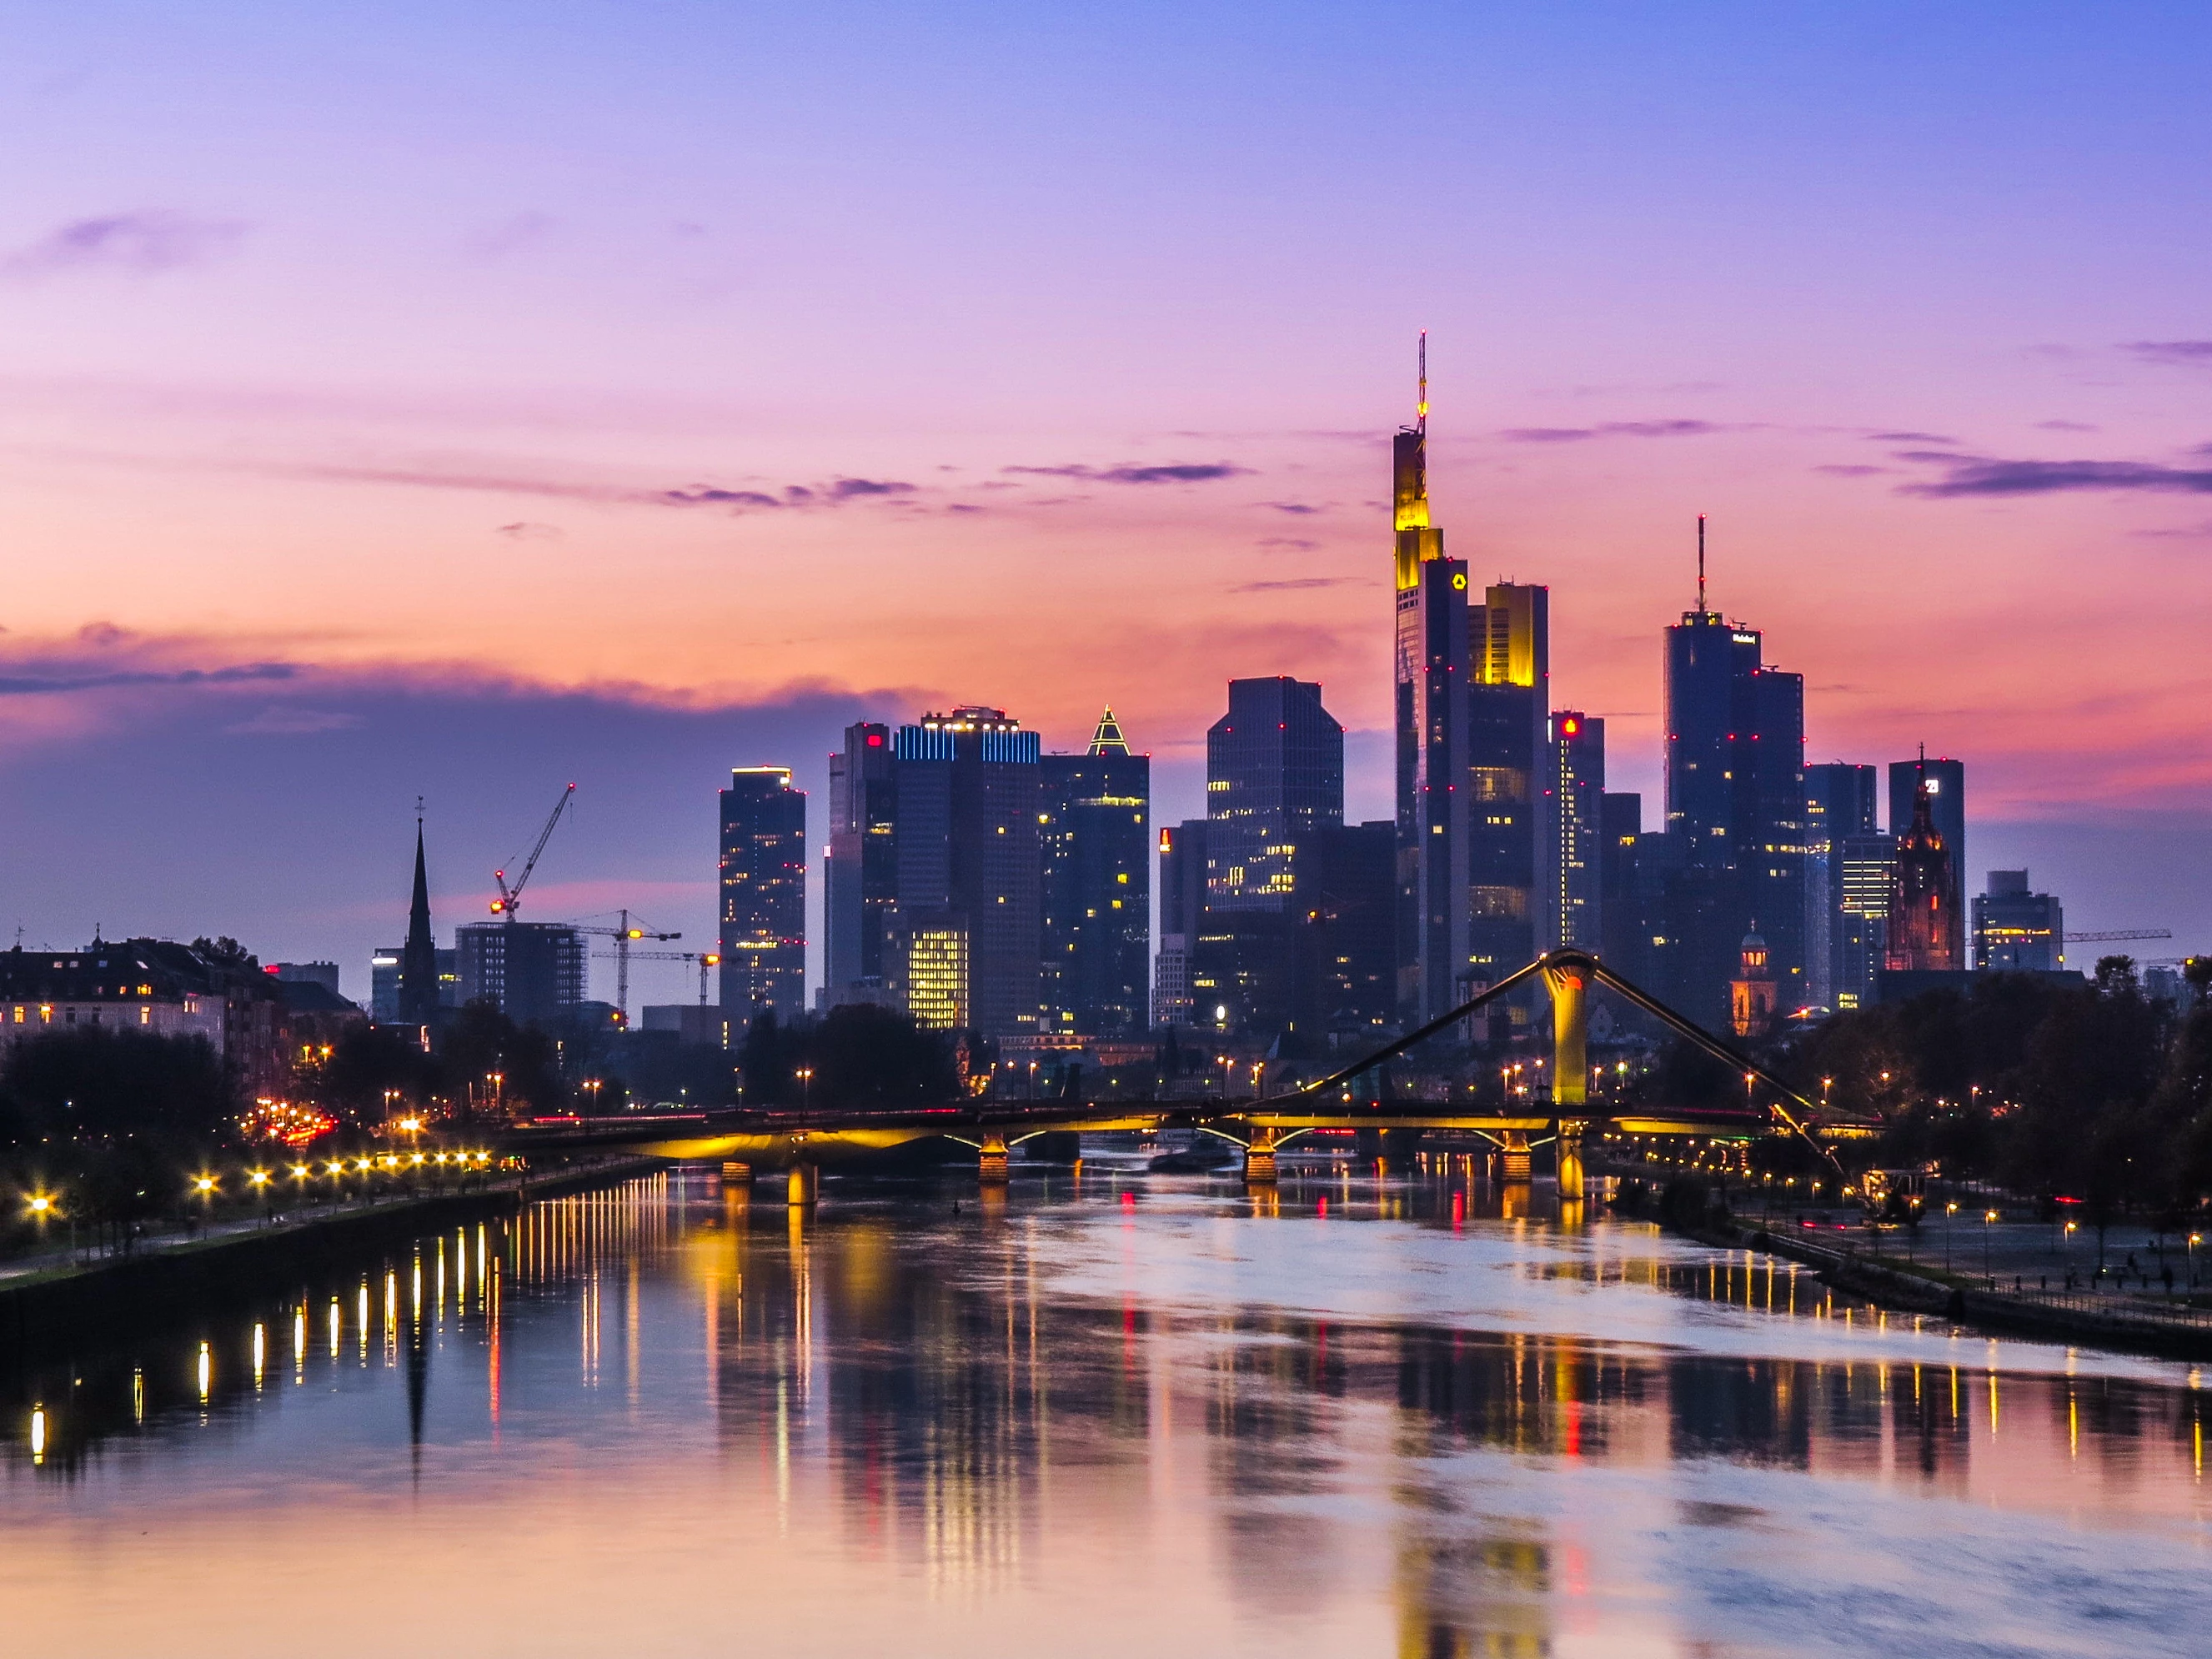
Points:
x=1108 y=740
x=418 y=958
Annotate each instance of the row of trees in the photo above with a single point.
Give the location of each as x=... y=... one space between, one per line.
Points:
x=2092 y=1092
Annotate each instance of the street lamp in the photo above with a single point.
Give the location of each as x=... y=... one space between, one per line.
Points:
x=806 y=1076
x=2194 y=1240
x=1949 y=1210
x=1988 y=1216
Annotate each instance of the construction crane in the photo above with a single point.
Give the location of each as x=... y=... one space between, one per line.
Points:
x=2113 y=933
x=623 y=936
x=510 y=899
x=706 y=959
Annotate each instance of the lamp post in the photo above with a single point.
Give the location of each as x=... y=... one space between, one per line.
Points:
x=806 y=1076
x=2194 y=1240
x=1988 y=1216
x=1949 y=1210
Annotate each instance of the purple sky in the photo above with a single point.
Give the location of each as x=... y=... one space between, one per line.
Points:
x=403 y=402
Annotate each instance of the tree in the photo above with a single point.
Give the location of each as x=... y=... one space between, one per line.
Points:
x=89 y=1081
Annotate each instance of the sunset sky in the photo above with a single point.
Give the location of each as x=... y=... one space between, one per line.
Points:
x=459 y=400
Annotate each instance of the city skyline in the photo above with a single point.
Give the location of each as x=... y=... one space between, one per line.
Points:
x=303 y=528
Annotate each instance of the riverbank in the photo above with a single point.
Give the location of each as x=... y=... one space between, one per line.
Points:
x=68 y=1302
x=2104 y=1320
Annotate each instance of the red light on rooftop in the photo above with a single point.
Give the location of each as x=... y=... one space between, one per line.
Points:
x=875 y=739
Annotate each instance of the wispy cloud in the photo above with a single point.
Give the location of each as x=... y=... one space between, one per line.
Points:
x=2186 y=353
x=1975 y=475
x=2066 y=426
x=1570 y=434
x=275 y=721
x=139 y=244
x=1179 y=472
x=523 y=529
x=1294 y=543
x=1909 y=438
x=1298 y=509
x=1840 y=470
x=1297 y=583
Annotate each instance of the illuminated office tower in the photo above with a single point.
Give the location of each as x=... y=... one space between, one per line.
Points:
x=933 y=834
x=967 y=787
x=1182 y=916
x=1736 y=805
x=763 y=885
x=1867 y=871
x=2017 y=931
x=1274 y=780
x=1578 y=791
x=1432 y=670
x=860 y=877
x=1924 y=933
x=1512 y=868
x=1839 y=803
x=1094 y=829
x=1947 y=815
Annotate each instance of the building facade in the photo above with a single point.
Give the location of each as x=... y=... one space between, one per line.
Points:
x=1839 y=803
x=1577 y=809
x=1924 y=933
x=1274 y=783
x=2017 y=930
x=934 y=835
x=531 y=971
x=1094 y=827
x=763 y=895
x=1946 y=781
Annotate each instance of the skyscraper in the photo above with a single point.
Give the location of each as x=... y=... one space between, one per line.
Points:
x=418 y=957
x=1947 y=813
x=861 y=874
x=1434 y=668
x=1513 y=852
x=1094 y=830
x=1274 y=780
x=1867 y=874
x=934 y=873
x=1839 y=803
x=764 y=887
x=1924 y=922
x=2016 y=930
x=531 y=971
x=1183 y=915
x=1577 y=807
x=1736 y=798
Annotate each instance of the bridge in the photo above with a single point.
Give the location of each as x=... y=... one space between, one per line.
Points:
x=798 y=1143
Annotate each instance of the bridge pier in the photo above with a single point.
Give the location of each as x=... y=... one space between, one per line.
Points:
x=1570 y=1148
x=1260 y=1157
x=802 y=1186
x=1513 y=1159
x=735 y=1172
x=990 y=1165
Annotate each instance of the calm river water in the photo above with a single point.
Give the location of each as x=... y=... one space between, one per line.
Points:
x=1105 y=1414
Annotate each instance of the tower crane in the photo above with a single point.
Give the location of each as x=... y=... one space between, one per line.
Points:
x=623 y=936
x=706 y=959
x=2119 y=933
x=510 y=899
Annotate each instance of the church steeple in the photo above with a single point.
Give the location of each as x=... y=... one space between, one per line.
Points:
x=1108 y=740
x=418 y=958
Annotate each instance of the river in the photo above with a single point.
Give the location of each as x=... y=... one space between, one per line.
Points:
x=1102 y=1414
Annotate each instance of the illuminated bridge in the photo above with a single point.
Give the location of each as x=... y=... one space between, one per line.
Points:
x=799 y=1143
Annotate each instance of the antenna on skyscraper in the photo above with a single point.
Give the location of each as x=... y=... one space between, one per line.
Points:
x=1421 y=408
x=1701 y=564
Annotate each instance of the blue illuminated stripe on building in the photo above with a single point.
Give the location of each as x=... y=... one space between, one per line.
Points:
x=1020 y=748
x=917 y=743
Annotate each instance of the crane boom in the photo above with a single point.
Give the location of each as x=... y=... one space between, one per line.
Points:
x=510 y=899
x=2122 y=932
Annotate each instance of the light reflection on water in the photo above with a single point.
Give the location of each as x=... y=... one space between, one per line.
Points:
x=1356 y=1416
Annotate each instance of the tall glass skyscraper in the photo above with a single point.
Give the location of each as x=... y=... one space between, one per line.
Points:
x=1274 y=782
x=934 y=875
x=1094 y=831
x=1578 y=793
x=1736 y=799
x=763 y=888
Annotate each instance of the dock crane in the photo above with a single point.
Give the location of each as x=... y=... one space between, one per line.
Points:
x=510 y=899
